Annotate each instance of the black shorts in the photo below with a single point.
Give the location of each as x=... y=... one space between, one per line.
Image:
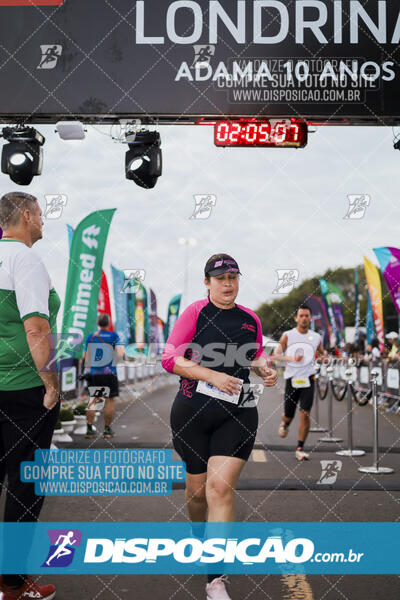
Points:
x=216 y=429
x=294 y=395
x=104 y=380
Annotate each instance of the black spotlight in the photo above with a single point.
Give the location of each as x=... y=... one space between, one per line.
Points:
x=143 y=160
x=22 y=157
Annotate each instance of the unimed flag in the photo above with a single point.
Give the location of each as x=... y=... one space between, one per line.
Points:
x=103 y=304
x=84 y=276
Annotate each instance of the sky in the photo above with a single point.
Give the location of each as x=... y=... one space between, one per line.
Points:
x=274 y=208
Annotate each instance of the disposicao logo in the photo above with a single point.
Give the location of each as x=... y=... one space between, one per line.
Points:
x=190 y=550
x=62 y=547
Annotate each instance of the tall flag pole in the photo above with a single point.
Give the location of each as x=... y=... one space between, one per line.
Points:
x=103 y=303
x=356 y=309
x=369 y=321
x=138 y=318
x=153 y=326
x=389 y=262
x=333 y=299
x=172 y=314
x=120 y=305
x=375 y=292
x=319 y=318
x=84 y=276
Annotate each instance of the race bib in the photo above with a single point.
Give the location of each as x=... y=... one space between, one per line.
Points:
x=203 y=387
x=300 y=382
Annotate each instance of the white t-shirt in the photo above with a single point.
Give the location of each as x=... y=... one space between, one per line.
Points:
x=376 y=353
x=305 y=344
x=26 y=290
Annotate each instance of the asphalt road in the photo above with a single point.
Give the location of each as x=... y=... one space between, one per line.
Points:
x=273 y=487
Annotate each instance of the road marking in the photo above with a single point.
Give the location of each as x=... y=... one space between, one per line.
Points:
x=259 y=456
x=298 y=588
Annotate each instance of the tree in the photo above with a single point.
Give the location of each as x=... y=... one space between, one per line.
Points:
x=277 y=316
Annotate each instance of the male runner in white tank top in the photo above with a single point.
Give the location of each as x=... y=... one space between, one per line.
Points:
x=297 y=348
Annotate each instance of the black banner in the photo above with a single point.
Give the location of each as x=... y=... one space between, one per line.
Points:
x=327 y=62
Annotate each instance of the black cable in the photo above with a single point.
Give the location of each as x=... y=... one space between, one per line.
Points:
x=339 y=397
x=320 y=394
x=360 y=398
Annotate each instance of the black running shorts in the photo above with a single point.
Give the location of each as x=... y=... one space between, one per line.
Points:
x=295 y=395
x=212 y=428
x=105 y=380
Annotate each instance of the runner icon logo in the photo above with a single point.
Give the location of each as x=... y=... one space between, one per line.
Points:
x=202 y=54
x=54 y=205
x=330 y=471
x=357 y=206
x=203 y=206
x=50 y=55
x=132 y=280
x=286 y=280
x=62 y=547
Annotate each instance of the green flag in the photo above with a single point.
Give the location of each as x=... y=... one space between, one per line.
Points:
x=138 y=316
x=173 y=313
x=84 y=276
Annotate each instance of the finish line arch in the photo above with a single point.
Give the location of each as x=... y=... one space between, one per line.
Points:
x=188 y=62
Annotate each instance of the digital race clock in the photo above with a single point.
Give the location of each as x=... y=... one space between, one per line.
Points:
x=278 y=133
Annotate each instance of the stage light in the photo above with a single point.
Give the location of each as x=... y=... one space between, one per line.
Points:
x=143 y=160
x=22 y=157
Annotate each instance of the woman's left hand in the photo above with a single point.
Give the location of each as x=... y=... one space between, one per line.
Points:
x=269 y=376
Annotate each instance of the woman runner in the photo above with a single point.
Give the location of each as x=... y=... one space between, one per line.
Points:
x=212 y=347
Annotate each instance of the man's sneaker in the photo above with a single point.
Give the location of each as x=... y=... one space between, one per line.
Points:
x=28 y=591
x=216 y=589
x=301 y=455
x=90 y=432
x=108 y=432
x=283 y=430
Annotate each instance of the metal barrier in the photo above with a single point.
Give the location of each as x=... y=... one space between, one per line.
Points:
x=391 y=393
x=317 y=428
x=375 y=468
x=360 y=383
x=329 y=438
x=350 y=374
x=128 y=373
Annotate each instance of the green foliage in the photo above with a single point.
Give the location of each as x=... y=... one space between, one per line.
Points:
x=277 y=316
x=80 y=409
x=66 y=414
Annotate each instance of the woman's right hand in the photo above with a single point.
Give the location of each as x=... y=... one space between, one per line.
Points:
x=226 y=383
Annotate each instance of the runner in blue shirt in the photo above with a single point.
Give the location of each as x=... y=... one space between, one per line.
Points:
x=103 y=372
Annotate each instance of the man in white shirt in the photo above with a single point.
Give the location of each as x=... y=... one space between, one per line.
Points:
x=29 y=390
x=297 y=348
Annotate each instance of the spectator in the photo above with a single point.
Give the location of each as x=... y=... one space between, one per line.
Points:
x=393 y=338
x=375 y=352
x=29 y=398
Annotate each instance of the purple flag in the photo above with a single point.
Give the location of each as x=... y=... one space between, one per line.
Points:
x=389 y=262
x=320 y=318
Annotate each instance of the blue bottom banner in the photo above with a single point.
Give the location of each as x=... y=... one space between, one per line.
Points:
x=165 y=548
